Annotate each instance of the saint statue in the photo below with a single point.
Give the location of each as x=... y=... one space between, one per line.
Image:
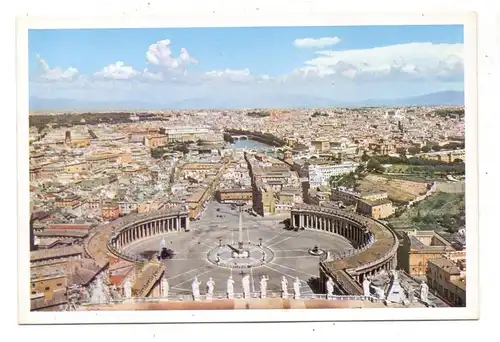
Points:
x=284 y=287
x=230 y=287
x=424 y=292
x=210 y=287
x=296 y=288
x=195 y=285
x=330 y=287
x=127 y=287
x=263 y=286
x=366 y=287
x=164 y=288
x=162 y=244
x=246 y=285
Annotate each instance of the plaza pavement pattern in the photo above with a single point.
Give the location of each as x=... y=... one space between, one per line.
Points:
x=290 y=248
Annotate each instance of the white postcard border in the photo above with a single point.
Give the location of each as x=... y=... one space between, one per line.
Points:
x=235 y=19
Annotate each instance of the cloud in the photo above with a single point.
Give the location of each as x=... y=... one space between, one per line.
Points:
x=415 y=61
x=55 y=74
x=316 y=42
x=152 y=76
x=237 y=76
x=117 y=71
x=160 y=54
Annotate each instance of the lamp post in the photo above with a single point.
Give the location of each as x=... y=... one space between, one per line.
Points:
x=260 y=242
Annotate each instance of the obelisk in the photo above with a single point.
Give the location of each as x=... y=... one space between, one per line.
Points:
x=240 y=235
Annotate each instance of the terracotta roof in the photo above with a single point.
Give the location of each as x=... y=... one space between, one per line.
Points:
x=69 y=226
x=55 y=252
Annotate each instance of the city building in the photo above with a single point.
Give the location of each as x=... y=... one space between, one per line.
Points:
x=320 y=174
x=110 y=211
x=446 y=276
x=417 y=248
x=48 y=290
x=234 y=195
x=377 y=209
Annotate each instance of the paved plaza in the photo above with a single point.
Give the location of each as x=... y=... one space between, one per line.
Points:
x=289 y=251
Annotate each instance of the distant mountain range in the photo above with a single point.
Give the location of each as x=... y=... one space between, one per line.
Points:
x=444 y=98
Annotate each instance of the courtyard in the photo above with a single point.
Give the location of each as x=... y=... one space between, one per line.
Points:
x=287 y=251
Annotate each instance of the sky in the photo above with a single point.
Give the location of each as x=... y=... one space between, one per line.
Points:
x=243 y=67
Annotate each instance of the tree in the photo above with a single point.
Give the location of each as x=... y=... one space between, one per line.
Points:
x=426 y=149
x=365 y=157
x=360 y=169
x=436 y=148
x=414 y=150
x=374 y=164
x=401 y=150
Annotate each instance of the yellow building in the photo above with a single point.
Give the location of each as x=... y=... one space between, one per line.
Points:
x=67 y=200
x=48 y=283
x=447 y=278
x=196 y=201
x=48 y=291
x=378 y=209
x=444 y=156
x=110 y=211
x=77 y=167
x=321 y=145
x=157 y=140
x=236 y=195
x=416 y=248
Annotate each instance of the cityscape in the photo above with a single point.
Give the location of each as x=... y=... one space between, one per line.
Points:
x=247 y=168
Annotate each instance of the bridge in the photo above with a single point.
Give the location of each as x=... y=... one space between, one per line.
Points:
x=239 y=137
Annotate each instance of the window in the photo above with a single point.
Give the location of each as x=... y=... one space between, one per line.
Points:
x=47 y=288
x=33 y=292
x=59 y=284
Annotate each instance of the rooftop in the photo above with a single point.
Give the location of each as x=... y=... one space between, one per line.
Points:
x=55 y=252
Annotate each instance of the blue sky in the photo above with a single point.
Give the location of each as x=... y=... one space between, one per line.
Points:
x=282 y=63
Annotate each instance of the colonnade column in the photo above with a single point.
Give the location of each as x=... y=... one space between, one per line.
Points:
x=301 y=221
x=187 y=223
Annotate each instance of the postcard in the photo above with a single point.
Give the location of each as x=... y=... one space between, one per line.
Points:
x=247 y=168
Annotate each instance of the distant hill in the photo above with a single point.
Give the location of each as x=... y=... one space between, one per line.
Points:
x=444 y=98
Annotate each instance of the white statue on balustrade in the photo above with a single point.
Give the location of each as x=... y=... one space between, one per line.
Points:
x=246 y=286
x=127 y=288
x=162 y=244
x=366 y=287
x=379 y=292
x=424 y=292
x=195 y=286
x=263 y=286
x=210 y=288
x=284 y=287
x=330 y=288
x=230 y=287
x=296 y=288
x=411 y=294
x=164 y=288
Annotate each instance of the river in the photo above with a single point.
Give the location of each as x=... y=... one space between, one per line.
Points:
x=250 y=144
